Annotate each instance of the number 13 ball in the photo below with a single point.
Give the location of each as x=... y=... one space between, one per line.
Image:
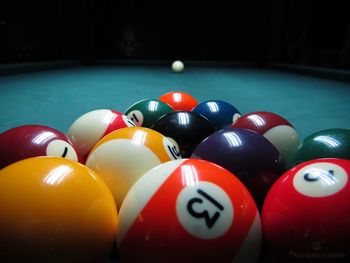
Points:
x=189 y=210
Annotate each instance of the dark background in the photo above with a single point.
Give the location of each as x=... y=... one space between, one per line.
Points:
x=314 y=33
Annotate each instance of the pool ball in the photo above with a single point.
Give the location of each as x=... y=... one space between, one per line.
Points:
x=305 y=216
x=180 y=101
x=187 y=128
x=146 y=112
x=322 y=144
x=189 y=211
x=92 y=126
x=247 y=154
x=177 y=66
x=221 y=114
x=55 y=210
x=123 y=156
x=273 y=127
x=35 y=140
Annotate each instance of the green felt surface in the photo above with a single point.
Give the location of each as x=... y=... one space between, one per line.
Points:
x=57 y=97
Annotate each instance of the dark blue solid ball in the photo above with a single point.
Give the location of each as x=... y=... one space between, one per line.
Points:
x=220 y=114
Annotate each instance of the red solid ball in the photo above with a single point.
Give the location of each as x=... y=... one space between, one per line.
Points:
x=306 y=214
x=179 y=100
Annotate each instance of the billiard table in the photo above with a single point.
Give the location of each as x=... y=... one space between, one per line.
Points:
x=55 y=94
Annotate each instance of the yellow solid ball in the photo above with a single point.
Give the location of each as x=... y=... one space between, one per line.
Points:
x=55 y=210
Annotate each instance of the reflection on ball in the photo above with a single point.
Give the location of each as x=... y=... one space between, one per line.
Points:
x=305 y=216
x=189 y=210
x=55 y=210
x=124 y=155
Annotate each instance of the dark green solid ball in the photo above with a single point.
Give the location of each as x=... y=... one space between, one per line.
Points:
x=323 y=144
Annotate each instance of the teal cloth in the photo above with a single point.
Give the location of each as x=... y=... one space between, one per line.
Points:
x=57 y=97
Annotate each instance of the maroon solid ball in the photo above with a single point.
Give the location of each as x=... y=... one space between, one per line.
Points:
x=34 y=140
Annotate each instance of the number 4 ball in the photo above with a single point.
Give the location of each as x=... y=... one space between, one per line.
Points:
x=189 y=210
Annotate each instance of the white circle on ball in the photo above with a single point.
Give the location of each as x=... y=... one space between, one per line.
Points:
x=127 y=121
x=62 y=149
x=172 y=148
x=204 y=210
x=136 y=117
x=235 y=117
x=320 y=179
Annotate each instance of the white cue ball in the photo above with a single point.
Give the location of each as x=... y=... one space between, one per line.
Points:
x=177 y=66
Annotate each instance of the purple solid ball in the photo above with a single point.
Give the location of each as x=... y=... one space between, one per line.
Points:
x=245 y=153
